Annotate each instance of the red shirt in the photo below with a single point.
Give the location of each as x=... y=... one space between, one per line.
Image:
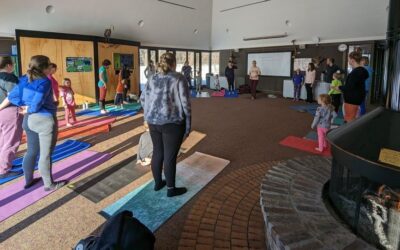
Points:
x=54 y=86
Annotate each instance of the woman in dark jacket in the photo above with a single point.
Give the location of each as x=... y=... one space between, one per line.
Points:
x=354 y=89
x=167 y=111
x=230 y=76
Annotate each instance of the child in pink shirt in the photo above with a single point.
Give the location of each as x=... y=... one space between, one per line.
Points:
x=67 y=95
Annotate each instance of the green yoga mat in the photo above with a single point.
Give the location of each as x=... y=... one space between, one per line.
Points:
x=111 y=107
x=154 y=208
x=108 y=181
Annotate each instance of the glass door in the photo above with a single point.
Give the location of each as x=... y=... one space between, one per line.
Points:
x=180 y=60
x=144 y=62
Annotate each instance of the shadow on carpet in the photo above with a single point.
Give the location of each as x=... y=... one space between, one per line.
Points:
x=154 y=208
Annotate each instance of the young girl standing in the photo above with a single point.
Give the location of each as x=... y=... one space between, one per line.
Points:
x=67 y=95
x=298 y=80
x=334 y=92
x=309 y=81
x=323 y=119
x=102 y=84
x=10 y=120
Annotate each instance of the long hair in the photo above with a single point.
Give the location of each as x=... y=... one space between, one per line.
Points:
x=37 y=66
x=312 y=67
x=167 y=63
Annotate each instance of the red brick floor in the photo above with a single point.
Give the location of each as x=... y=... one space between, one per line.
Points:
x=227 y=214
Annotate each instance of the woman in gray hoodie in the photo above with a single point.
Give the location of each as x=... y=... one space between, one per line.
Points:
x=167 y=110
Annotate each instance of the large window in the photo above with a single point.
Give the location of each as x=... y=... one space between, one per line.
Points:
x=191 y=63
x=215 y=63
x=205 y=65
x=153 y=56
x=160 y=52
x=144 y=62
x=180 y=60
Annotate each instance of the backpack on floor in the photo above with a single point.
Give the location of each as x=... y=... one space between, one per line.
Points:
x=120 y=232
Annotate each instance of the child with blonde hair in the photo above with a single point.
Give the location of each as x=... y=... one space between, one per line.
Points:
x=323 y=120
x=67 y=96
x=334 y=92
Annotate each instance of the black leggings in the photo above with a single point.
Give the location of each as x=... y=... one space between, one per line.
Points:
x=336 y=101
x=167 y=140
x=309 y=89
x=231 y=84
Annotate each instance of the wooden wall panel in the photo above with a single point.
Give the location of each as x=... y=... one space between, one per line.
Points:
x=57 y=50
x=106 y=51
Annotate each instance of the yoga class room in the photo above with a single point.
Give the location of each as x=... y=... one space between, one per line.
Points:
x=200 y=124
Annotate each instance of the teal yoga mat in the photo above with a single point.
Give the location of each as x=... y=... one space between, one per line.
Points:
x=154 y=208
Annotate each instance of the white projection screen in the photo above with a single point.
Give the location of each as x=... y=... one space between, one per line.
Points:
x=271 y=64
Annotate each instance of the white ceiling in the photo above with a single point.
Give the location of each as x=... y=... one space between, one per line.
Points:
x=164 y=24
x=330 y=20
x=173 y=26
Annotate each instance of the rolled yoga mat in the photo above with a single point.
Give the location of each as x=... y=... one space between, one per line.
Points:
x=154 y=208
x=14 y=198
x=108 y=181
x=304 y=145
x=61 y=151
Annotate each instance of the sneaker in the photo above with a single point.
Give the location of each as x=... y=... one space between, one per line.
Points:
x=317 y=149
x=55 y=186
x=176 y=191
x=11 y=174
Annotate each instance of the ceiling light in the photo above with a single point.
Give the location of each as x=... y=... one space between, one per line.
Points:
x=265 y=37
x=196 y=31
x=288 y=23
x=50 y=9
x=141 y=23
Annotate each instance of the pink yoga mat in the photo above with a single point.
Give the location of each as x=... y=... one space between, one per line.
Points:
x=14 y=198
x=89 y=122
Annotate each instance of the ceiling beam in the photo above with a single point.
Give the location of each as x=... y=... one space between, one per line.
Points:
x=245 y=5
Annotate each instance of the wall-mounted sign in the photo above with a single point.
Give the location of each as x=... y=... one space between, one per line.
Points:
x=123 y=59
x=79 y=64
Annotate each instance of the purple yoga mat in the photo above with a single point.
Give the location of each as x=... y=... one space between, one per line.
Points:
x=14 y=198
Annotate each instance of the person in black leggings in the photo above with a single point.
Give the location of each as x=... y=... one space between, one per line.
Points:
x=230 y=76
x=167 y=110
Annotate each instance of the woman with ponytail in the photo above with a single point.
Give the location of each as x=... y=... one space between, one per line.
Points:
x=10 y=120
x=34 y=93
x=167 y=111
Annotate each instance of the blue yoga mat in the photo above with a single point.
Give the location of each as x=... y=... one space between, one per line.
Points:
x=228 y=94
x=154 y=208
x=112 y=112
x=61 y=151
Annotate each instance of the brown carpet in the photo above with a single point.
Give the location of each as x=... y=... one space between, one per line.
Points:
x=243 y=131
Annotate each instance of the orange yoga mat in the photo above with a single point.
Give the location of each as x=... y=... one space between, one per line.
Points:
x=304 y=145
x=95 y=128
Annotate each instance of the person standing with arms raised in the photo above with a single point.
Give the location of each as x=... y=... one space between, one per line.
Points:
x=102 y=84
x=254 y=75
x=167 y=110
